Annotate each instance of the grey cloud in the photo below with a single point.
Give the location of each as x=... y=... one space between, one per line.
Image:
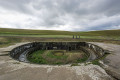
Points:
x=107 y=7
x=82 y=14
x=16 y=5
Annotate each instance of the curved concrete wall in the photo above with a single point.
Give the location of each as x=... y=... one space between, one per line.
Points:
x=97 y=50
x=20 y=52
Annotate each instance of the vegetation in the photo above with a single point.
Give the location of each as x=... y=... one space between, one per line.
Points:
x=105 y=34
x=11 y=36
x=33 y=32
x=74 y=64
x=6 y=41
x=95 y=62
x=56 y=54
x=83 y=59
x=56 y=57
x=54 y=32
x=36 y=57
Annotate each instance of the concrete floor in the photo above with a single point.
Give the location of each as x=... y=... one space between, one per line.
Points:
x=112 y=61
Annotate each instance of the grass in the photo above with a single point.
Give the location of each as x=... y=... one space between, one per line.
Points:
x=109 y=34
x=83 y=59
x=74 y=64
x=58 y=53
x=49 y=57
x=36 y=57
x=6 y=41
x=52 y=52
x=10 y=40
x=33 y=32
x=41 y=36
x=95 y=62
x=11 y=36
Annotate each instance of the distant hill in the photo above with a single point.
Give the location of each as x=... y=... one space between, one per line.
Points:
x=101 y=33
x=55 y=32
x=33 y=32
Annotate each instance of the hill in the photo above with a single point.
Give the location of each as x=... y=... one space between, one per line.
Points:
x=11 y=36
x=6 y=31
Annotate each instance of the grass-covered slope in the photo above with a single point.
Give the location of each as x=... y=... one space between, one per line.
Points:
x=101 y=33
x=10 y=36
x=6 y=31
x=33 y=32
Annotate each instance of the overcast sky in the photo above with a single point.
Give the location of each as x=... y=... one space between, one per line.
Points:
x=69 y=15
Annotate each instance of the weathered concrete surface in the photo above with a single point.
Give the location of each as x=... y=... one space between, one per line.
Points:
x=112 y=61
x=13 y=70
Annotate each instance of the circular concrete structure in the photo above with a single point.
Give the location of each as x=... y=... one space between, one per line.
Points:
x=13 y=69
x=93 y=52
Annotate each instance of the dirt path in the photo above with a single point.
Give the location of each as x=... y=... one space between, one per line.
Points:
x=13 y=70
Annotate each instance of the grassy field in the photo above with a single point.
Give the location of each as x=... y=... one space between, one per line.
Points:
x=5 y=31
x=11 y=36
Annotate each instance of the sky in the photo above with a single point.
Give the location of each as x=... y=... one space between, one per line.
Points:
x=68 y=15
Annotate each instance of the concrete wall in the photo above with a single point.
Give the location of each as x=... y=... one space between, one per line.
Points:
x=97 y=50
x=31 y=47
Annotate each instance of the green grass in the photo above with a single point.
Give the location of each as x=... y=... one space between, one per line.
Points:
x=48 y=57
x=74 y=64
x=36 y=57
x=51 y=55
x=82 y=60
x=41 y=36
x=95 y=62
x=33 y=32
x=6 y=41
x=12 y=36
x=22 y=32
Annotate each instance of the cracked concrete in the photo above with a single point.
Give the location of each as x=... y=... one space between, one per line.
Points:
x=111 y=63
